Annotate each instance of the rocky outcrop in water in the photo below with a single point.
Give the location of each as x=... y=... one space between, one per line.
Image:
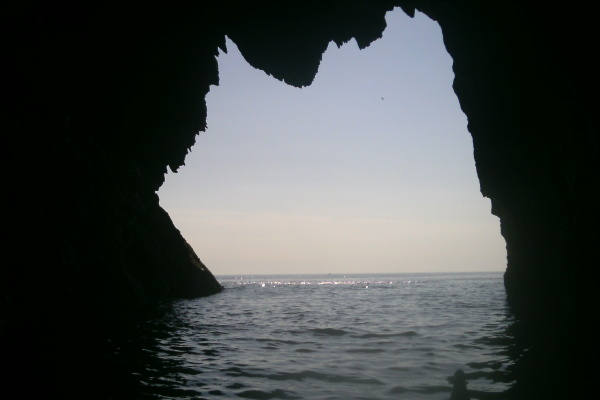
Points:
x=98 y=100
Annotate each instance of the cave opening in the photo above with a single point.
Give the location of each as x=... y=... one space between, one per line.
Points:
x=100 y=101
x=369 y=169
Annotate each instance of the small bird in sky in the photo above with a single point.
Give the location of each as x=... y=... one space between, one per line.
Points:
x=382 y=98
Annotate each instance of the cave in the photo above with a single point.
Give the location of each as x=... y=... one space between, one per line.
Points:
x=100 y=99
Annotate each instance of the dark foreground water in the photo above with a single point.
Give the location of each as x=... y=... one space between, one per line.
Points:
x=325 y=337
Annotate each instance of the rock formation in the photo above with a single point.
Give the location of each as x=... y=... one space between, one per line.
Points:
x=99 y=99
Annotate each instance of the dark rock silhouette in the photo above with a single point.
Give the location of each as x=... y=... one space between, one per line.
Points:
x=98 y=100
x=459 y=386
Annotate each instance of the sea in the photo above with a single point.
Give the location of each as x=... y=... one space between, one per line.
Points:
x=326 y=337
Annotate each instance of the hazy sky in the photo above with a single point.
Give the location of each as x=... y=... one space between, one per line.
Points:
x=370 y=169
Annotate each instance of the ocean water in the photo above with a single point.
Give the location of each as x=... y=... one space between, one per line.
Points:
x=327 y=337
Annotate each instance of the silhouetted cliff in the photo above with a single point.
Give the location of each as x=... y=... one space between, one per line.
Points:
x=99 y=99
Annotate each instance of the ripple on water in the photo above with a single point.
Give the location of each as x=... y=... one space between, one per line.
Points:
x=262 y=395
x=270 y=340
x=365 y=351
x=328 y=331
x=394 y=340
x=304 y=375
x=386 y=335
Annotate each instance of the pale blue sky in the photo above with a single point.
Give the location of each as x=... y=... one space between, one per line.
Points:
x=332 y=178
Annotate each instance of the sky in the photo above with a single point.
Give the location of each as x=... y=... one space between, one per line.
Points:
x=368 y=170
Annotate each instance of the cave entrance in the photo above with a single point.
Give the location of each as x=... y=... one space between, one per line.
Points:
x=370 y=169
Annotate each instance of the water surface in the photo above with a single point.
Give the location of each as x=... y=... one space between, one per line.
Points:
x=328 y=337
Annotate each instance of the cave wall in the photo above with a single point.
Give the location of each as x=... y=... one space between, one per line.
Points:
x=525 y=78
x=98 y=100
